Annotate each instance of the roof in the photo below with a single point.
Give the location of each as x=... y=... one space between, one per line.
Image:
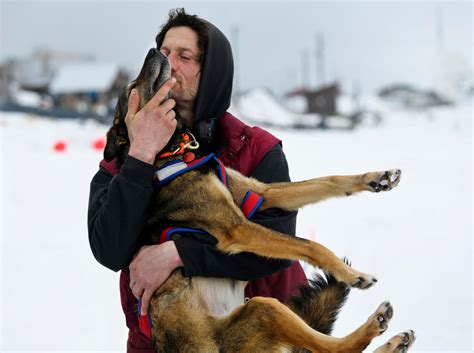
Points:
x=83 y=77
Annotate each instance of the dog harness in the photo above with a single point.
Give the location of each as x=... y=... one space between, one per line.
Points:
x=172 y=169
x=165 y=174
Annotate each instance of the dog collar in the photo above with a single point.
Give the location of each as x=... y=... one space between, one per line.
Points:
x=185 y=144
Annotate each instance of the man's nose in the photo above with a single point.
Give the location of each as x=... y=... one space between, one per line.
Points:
x=173 y=61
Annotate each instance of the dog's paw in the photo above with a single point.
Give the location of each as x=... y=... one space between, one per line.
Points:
x=364 y=281
x=344 y=273
x=382 y=181
x=354 y=278
x=378 y=321
x=398 y=344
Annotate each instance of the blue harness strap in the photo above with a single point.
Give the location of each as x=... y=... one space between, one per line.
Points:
x=168 y=232
x=170 y=170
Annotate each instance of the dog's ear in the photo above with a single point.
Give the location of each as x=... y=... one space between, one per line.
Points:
x=117 y=137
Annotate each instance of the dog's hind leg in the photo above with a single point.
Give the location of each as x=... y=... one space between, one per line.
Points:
x=266 y=325
x=398 y=344
x=293 y=195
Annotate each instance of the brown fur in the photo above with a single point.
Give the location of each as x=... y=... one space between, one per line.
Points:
x=180 y=311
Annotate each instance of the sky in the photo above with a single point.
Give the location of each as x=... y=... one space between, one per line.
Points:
x=366 y=44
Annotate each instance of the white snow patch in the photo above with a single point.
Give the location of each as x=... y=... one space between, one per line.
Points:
x=417 y=239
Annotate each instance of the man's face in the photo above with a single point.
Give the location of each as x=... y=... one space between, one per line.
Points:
x=180 y=45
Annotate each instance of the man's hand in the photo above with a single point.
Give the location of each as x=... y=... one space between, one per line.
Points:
x=150 y=128
x=150 y=268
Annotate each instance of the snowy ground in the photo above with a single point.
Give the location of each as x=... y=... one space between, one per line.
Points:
x=417 y=239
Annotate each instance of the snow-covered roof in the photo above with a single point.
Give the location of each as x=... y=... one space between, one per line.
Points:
x=84 y=77
x=258 y=106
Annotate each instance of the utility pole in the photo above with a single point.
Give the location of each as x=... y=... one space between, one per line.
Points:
x=320 y=63
x=304 y=68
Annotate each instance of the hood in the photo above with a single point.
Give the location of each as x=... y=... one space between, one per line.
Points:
x=215 y=87
x=217 y=73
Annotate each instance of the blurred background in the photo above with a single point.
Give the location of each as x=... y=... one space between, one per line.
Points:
x=348 y=86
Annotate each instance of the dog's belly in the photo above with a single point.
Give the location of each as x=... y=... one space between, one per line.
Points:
x=220 y=295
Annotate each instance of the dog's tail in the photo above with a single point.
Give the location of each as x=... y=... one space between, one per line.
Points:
x=320 y=301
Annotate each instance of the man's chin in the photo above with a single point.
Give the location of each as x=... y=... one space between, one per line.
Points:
x=175 y=95
x=180 y=98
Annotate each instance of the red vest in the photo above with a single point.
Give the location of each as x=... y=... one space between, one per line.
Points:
x=245 y=147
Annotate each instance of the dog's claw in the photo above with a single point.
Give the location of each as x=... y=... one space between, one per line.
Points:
x=383 y=315
x=407 y=336
x=375 y=186
x=399 y=343
x=364 y=282
x=384 y=181
x=389 y=311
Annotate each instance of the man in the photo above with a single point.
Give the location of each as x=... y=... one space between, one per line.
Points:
x=199 y=93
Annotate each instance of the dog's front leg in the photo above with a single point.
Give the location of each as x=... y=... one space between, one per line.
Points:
x=251 y=237
x=293 y=195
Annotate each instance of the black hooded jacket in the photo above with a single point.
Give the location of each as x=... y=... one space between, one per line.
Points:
x=215 y=87
x=117 y=204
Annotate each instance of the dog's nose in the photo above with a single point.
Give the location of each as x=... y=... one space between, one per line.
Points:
x=151 y=53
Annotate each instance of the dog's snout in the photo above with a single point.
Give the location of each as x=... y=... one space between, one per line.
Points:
x=155 y=71
x=151 y=53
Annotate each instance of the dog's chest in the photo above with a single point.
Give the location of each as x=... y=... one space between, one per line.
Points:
x=220 y=295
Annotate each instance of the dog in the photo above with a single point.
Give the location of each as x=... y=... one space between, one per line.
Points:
x=209 y=314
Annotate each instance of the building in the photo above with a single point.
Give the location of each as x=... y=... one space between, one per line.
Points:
x=72 y=85
x=87 y=86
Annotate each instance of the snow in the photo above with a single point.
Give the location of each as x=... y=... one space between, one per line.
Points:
x=259 y=106
x=28 y=99
x=417 y=239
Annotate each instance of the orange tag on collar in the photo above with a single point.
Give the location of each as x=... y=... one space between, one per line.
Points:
x=188 y=157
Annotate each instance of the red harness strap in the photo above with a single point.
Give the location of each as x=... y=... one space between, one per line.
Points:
x=250 y=204
x=144 y=322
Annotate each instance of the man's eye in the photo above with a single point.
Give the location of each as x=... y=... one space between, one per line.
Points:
x=187 y=58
